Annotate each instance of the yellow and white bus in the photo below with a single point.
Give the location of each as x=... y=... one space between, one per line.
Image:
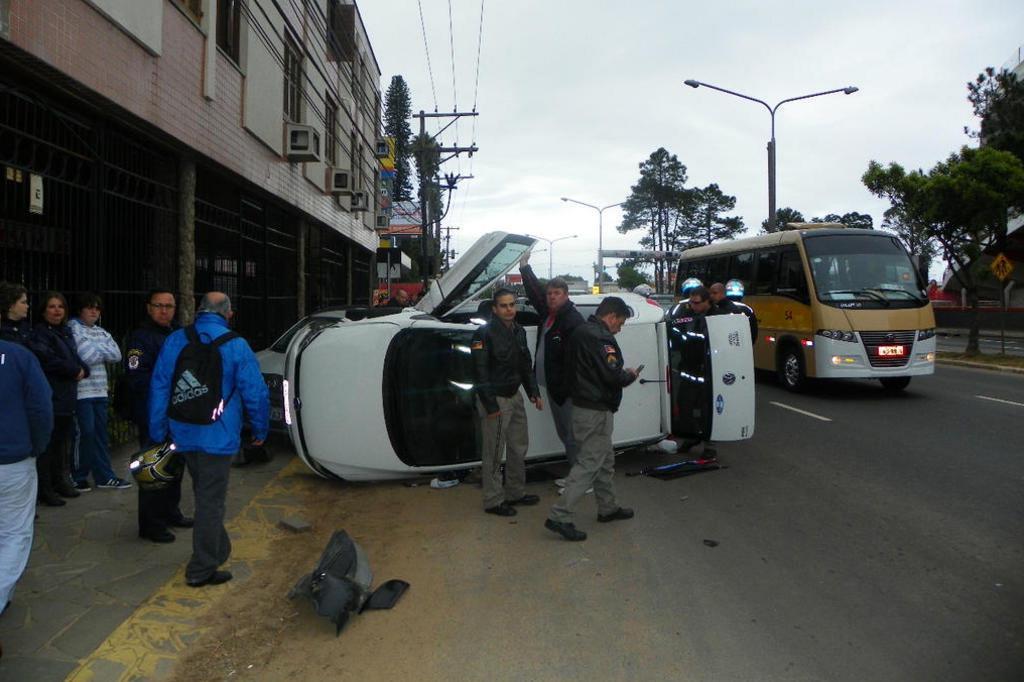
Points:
x=831 y=302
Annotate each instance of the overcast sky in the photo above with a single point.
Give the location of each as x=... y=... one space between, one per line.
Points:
x=574 y=94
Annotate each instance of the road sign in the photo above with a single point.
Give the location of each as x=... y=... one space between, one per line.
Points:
x=1002 y=267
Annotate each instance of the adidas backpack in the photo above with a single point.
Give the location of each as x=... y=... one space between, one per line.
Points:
x=196 y=396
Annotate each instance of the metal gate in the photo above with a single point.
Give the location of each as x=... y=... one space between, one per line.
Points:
x=246 y=247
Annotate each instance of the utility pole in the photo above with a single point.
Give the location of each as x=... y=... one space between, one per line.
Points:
x=448 y=254
x=425 y=218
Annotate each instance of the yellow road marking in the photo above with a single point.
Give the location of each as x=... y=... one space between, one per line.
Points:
x=147 y=645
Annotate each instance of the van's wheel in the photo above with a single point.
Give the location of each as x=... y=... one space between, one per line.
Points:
x=895 y=383
x=790 y=369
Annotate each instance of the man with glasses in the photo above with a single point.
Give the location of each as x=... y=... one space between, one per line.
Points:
x=158 y=509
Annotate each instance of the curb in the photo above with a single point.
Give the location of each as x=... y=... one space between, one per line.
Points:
x=980 y=365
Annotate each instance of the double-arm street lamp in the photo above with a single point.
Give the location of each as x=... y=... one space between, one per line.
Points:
x=848 y=90
x=600 y=235
x=551 y=247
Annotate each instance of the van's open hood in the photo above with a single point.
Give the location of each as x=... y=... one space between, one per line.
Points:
x=483 y=264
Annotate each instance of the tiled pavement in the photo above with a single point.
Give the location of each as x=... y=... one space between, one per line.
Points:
x=89 y=571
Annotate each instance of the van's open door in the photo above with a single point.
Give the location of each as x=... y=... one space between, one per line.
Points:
x=712 y=375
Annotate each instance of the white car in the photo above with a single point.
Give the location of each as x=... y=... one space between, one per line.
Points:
x=392 y=396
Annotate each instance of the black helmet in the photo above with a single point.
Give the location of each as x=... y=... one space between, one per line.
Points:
x=156 y=466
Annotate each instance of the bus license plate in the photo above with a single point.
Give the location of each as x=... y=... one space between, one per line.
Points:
x=892 y=351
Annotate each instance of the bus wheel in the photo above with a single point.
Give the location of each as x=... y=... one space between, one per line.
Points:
x=895 y=383
x=791 y=370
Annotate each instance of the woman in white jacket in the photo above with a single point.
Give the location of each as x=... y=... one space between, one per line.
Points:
x=96 y=347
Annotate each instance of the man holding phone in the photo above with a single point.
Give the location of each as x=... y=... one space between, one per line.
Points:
x=598 y=377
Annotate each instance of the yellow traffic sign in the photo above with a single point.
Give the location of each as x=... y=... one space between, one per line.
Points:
x=1002 y=267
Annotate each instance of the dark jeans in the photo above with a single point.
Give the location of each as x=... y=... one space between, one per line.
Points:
x=53 y=465
x=157 y=508
x=211 y=545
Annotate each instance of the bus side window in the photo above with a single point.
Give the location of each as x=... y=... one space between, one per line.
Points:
x=742 y=268
x=718 y=270
x=767 y=267
x=792 y=280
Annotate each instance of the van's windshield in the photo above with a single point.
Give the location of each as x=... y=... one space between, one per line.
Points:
x=863 y=271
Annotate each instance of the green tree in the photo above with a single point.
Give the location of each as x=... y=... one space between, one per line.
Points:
x=904 y=217
x=963 y=204
x=630 y=275
x=782 y=216
x=998 y=101
x=704 y=212
x=397 y=110
x=655 y=205
x=862 y=221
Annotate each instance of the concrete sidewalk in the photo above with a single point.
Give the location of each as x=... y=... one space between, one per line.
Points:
x=89 y=571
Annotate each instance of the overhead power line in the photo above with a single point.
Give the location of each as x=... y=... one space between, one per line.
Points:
x=426 y=48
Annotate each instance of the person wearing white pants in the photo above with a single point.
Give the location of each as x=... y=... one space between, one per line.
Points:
x=27 y=409
x=18 y=483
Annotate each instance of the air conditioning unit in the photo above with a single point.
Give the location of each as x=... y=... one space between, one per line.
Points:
x=383 y=148
x=301 y=142
x=360 y=202
x=383 y=221
x=339 y=181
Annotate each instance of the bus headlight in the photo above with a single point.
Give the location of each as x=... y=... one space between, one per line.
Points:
x=925 y=334
x=926 y=357
x=843 y=360
x=837 y=335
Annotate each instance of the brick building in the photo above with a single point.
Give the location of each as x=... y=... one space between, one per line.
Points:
x=193 y=145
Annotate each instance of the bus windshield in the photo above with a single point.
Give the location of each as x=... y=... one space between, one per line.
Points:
x=863 y=271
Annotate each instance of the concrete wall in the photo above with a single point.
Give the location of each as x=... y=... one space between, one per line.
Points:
x=238 y=123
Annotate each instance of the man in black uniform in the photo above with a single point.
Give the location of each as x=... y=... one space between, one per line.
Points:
x=598 y=377
x=158 y=509
x=725 y=299
x=559 y=318
x=501 y=364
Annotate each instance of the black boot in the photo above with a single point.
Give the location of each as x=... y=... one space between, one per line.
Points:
x=60 y=462
x=45 y=493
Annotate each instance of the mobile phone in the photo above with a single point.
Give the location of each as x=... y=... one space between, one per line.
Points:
x=640 y=369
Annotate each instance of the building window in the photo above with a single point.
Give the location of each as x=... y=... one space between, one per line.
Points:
x=229 y=23
x=292 y=82
x=331 y=132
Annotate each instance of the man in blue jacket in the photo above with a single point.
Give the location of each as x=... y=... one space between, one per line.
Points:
x=208 y=448
x=27 y=410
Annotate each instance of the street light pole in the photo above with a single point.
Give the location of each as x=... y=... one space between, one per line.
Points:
x=551 y=247
x=848 y=90
x=600 y=236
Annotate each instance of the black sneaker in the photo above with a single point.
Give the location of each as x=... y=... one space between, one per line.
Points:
x=566 y=530
x=216 y=578
x=82 y=486
x=503 y=509
x=158 y=536
x=620 y=514
x=525 y=500
x=114 y=484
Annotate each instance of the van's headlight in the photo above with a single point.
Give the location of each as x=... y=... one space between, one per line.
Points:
x=925 y=334
x=837 y=335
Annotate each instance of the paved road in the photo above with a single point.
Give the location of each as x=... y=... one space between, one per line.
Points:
x=884 y=544
x=989 y=345
x=867 y=536
x=862 y=536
